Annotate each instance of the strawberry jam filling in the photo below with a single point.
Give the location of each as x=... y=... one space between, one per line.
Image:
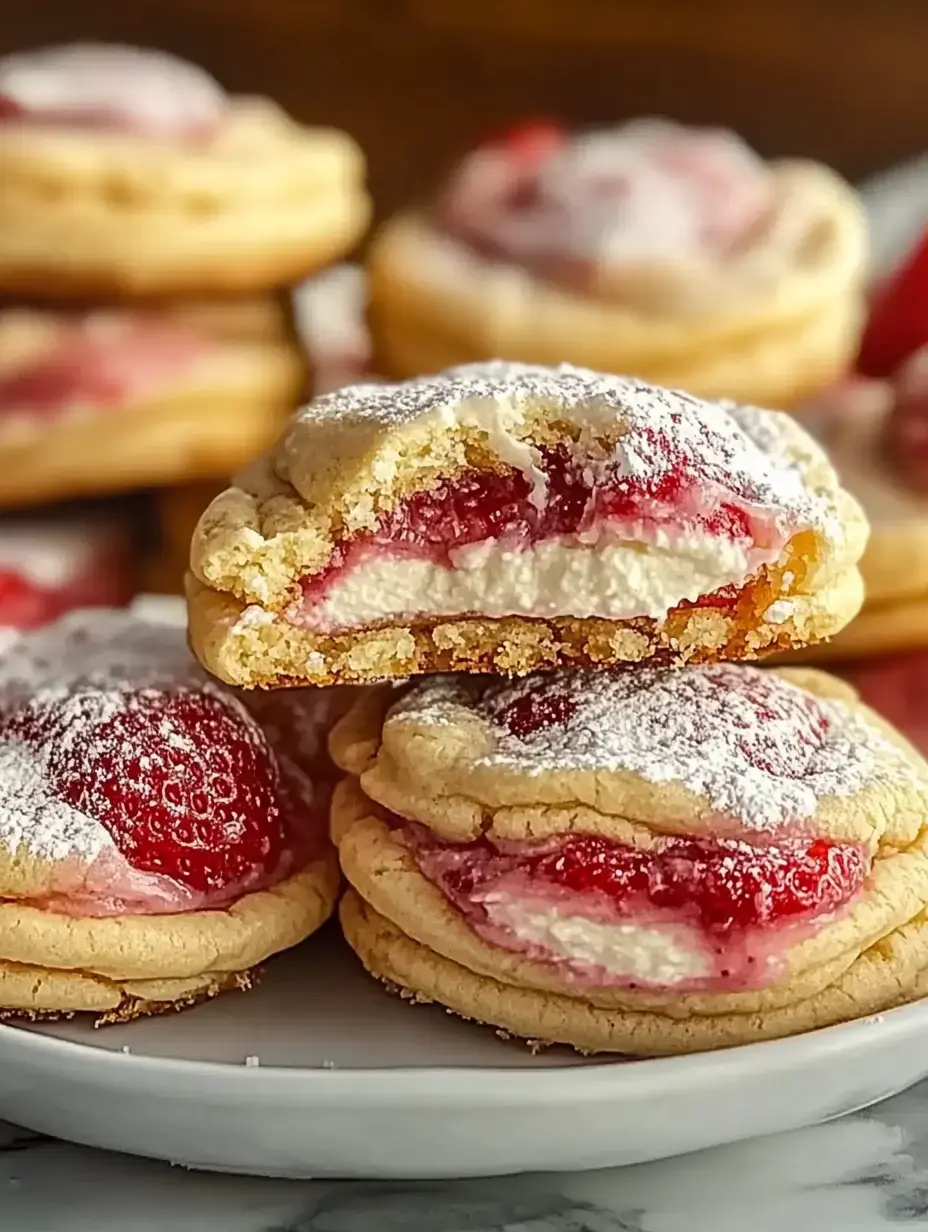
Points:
x=98 y=365
x=708 y=914
x=494 y=521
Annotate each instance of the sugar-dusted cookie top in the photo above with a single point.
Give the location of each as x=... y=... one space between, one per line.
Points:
x=510 y=491
x=350 y=457
x=721 y=749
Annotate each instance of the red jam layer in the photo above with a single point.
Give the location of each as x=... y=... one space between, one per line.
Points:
x=108 y=370
x=482 y=505
x=734 y=900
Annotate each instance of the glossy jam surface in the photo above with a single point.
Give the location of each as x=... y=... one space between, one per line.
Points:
x=486 y=505
x=722 y=887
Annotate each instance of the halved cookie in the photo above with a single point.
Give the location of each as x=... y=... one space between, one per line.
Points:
x=503 y=517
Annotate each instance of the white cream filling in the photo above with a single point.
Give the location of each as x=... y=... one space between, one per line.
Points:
x=651 y=954
x=613 y=579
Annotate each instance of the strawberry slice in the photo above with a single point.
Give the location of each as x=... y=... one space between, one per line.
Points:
x=898 y=323
x=529 y=143
x=183 y=781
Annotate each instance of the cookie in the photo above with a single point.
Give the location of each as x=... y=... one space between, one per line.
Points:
x=874 y=432
x=891 y=973
x=702 y=845
x=130 y=173
x=26 y=991
x=504 y=517
x=159 y=842
x=161 y=398
x=675 y=254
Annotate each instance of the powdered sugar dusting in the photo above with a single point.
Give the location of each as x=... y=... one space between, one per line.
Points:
x=648 y=190
x=74 y=677
x=32 y=819
x=113 y=650
x=112 y=87
x=762 y=751
x=744 y=451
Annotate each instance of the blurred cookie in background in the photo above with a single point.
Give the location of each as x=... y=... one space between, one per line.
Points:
x=874 y=425
x=674 y=253
x=330 y=311
x=128 y=173
x=329 y=317
x=105 y=400
x=173 y=515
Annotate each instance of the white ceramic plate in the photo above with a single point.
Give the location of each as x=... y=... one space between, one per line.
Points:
x=351 y=1082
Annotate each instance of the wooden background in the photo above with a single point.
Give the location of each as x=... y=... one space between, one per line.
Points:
x=417 y=80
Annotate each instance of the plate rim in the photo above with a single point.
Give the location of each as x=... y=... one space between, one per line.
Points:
x=426 y=1086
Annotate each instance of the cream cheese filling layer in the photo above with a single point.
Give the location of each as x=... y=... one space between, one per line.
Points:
x=652 y=954
x=613 y=579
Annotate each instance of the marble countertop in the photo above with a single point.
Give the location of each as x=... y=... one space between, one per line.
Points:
x=863 y=1173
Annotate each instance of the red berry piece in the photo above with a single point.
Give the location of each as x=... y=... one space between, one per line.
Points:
x=898 y=323
x=528 y=142
x=182 y=780
x=536 y=710
x=22 y=605
x=724 y=887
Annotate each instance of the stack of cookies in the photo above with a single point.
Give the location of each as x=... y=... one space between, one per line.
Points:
x=151 y=228
x=158 y=839
x=875 y=427
x=585 y=822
